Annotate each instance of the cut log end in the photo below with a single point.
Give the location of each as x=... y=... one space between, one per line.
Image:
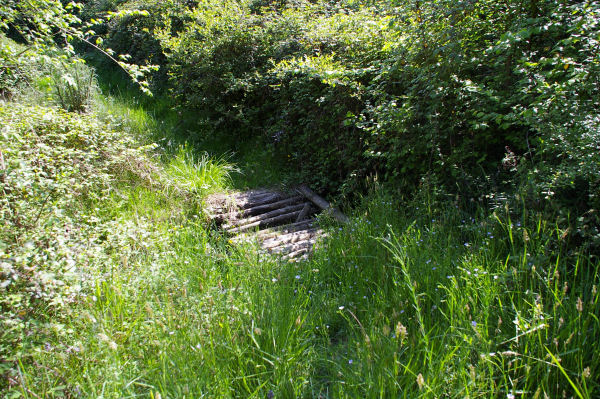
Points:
x=322 y=203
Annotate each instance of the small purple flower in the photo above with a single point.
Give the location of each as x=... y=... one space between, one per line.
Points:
x=350 y=361
x=474 y=324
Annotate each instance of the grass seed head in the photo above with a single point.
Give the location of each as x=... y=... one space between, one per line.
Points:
x=420 y=381
x=579 y=305
x=401 y=331
x=586 y=373
x=386 y=330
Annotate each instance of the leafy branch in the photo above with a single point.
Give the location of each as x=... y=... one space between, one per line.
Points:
x=41 y=22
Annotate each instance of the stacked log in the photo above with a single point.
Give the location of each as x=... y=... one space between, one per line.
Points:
x=284 y=224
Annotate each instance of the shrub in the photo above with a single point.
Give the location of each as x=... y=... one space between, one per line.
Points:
x=132 y=34
x=440 y=88
x=55 y=168
x=18 y=67
x=292 y=72
x=464 y=94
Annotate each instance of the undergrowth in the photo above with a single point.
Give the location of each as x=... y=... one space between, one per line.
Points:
x=114 y=285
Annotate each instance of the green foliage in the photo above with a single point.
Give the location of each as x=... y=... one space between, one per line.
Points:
x=198 y=175
x=112 y=284
x=130 y=32
x=45 y=25
x=54 y=167
x=293 y=73
x=52 y=77
x=79 y=200
x=471 y=304
x=465 y=94
x=449 y=84
x=39 y=22
x=14 y=67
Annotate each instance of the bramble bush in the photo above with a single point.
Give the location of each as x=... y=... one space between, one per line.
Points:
x=449 y=83
x=289 y=74
x=56 y=169
x=479 y=97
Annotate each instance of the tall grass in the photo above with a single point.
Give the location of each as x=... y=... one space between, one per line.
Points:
x=156 y=120
x=425 y=302
x=410 y=299
x=199 y=174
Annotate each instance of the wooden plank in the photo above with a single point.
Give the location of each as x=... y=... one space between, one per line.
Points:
x=304 y=213
x=288 y=228
x=249 y=202
x=322 y=203
x=284 y=221
x=264 y=222
x=296 y=255
x=222 y=203
x=291 y=237
x=264 y=216
x=295 y=246
x=251 y=193
x=256 y=210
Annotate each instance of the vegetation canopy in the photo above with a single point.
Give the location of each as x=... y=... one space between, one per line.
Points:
x=462 y=138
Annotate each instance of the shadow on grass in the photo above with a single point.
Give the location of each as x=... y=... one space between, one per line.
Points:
x=172 y=127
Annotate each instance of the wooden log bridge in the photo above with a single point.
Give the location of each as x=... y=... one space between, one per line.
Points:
x=282 y=223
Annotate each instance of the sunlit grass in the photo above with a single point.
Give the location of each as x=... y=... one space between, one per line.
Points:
x=398 y=304
x=127 y=115
x=410 y=299
x=199 y=174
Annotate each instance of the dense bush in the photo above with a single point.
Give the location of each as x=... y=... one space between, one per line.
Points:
x=16 y=67
x=132 y=33
x=55 y=168
x=446 y=88
x=479 y=97
x=288 y=73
